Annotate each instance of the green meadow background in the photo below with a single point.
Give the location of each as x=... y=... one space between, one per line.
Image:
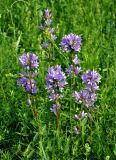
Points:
x=20 y=137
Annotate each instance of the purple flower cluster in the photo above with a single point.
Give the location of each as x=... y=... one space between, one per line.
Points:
x=71 y=42
x=46 y=27
x=73 y=69
x=30 y=62
x=88 y=96
x=47 y=17
x=55 y=82
x=91 y=79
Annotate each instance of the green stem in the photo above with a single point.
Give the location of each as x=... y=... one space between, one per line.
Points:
x=57 y=118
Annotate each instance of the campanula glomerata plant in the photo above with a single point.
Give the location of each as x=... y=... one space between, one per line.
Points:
x=29 y=61
x=56 y=80
x=55 y=83
x=54 y=56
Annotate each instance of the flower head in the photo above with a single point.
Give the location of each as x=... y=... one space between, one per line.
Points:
x=76 y=130
x=22 y=81
x=91 y=79
x=44 y=45
x=29 y=61
x=71 y=42
x=55 y=108
x=91 y=76
x=30 y=87
x=76 y=60
x=55 y=74
x=55 y=82
x=53 y=37
x=48 y=22
x=80 y=116
x=73 y=70
x=87 y=98
x=51 y=30
x=47 y=14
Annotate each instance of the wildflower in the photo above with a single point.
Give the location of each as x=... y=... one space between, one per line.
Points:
x=30 y=86
x=29 y=61
x=71 y=42
x=53 y=37
x=55 y=108
x=91 y=76
x=47 y=14
x=44 y=45
x=76 y=60
x=88 y=96
x=55 y=82
x=46 y=27
x=22 y=81
x=73 y=70
x=48 y=22
x=85 y=97
x=80 y=116
x=76 y=130
x=51 y=30
x=91 y=79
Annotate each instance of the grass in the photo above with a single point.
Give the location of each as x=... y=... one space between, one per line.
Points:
x=20 y=137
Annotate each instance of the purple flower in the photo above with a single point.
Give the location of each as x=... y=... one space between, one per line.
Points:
x=47 y=14
x=71 y=42
x=55 y=108
x=55 y=74
x=76 y=130
x=28 y=84
x=30 y=87
x=73 y=70
x=51 y=30
x=47 y=17
x=42 y=27
x=80 y=116
x=44 y=45
x=29 y=61
x=55 y=82
x=22 y=81
x=91 y=76
x=92 y=87
x=91 y=79
x=53 y=37
x=24 y=61
x=87 y=98
x=76 y=60
x=48 y=22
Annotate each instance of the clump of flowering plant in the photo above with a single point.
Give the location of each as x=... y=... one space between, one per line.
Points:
x=87 y=97
x=56 y=79
x=71 y=43
x=46 y=28
x=55 y=82
x=30 y=63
